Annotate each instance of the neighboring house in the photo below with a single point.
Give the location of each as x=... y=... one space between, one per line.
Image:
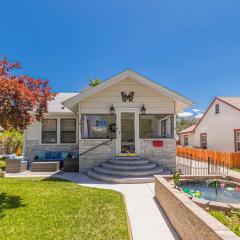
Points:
x=218 y=129
x=137 y=113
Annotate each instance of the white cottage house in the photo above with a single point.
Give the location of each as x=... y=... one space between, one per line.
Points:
x=137 y=114
x=218 y=129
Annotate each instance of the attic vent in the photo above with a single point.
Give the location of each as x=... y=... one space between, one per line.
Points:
x=217 y=109
x=62 y=107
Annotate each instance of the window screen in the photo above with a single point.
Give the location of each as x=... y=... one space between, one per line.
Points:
x=49 y=131
x=68 y=130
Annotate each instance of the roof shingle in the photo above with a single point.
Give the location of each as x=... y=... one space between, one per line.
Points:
x=56 y=104
x=234 y=101
x=188 y=130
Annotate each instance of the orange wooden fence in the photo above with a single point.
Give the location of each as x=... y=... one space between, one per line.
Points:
x=232 y=160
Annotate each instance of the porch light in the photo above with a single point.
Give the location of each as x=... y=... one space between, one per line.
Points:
x=112 y=109
x=143 y=109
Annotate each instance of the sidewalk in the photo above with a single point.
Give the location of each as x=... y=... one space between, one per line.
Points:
x=147 y=219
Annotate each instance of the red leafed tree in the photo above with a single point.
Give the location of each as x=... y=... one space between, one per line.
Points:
x=22 y=98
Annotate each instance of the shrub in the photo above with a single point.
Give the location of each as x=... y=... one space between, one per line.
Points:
x=10 y=141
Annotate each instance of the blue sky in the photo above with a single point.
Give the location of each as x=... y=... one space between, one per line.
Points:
x=190 y=46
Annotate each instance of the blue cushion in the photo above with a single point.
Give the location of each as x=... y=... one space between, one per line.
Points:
x=74 y=154
x=52 y=155
x=41 y=155
x=64 y=155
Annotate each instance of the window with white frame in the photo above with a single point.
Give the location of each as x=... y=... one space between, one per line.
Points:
x=156 y=126
x=237 y=140
x=49 y=131
x=203 y=140
x=98 y=126
x=68 y=130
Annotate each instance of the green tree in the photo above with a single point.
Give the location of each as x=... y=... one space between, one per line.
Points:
x=183 y=123
x=94 y=82
x=10 y=140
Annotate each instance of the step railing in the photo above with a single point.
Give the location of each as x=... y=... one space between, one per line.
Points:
x=95 y=147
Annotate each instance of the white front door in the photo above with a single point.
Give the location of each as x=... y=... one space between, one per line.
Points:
x=127 y=130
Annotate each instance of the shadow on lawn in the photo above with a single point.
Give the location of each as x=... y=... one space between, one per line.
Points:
x=54 y=179
x=9 y=202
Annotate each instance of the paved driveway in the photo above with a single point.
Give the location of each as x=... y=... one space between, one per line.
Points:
x=147 y=219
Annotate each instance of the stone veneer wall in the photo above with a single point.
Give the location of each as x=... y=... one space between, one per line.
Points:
x=32 y=148
x=165 y=155
x=97 y=156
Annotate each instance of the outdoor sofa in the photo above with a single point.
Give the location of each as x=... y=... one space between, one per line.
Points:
x=49 y=161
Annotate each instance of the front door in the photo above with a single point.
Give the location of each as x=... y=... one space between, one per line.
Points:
x=127 y=131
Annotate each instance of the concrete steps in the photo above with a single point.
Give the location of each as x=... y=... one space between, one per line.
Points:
x=146 y=166
x=128 y=173
x=117 y=179
x=123 y=169
x=128 y=162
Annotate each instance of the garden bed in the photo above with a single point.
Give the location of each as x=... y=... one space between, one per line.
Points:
x=231 y=220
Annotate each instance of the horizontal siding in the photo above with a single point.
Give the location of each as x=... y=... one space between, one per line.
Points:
x=32 y=140
x=33 y=132
x=101 y=102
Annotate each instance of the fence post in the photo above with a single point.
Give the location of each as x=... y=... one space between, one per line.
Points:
x=208 y=166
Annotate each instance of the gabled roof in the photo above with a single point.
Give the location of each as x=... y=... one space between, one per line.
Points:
x=181 y=100
x=231 y=101
x=56 y=104
x=188 y=130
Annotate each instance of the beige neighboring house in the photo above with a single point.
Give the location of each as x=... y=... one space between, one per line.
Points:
x=218 y=129
x=135 y=112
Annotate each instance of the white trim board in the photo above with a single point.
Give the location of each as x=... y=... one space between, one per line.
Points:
x=136 y=128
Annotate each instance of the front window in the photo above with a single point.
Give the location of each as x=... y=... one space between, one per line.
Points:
x=156 y=126
x=98 y=126
x=49 y=131
x=185 y=140
x=68 y=130
x=237 y=140
x=203 y=138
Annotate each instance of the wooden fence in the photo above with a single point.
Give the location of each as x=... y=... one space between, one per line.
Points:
x=230 y=160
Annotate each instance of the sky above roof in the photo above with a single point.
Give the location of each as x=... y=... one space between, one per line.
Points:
x=192 y=47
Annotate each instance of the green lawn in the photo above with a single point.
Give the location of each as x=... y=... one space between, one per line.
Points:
x=236 y=169
x=231 y=220
x=52 y=209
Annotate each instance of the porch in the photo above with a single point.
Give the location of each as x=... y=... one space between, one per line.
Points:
x=133 y=133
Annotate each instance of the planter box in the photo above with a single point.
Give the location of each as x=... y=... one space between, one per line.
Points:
x=189 y=220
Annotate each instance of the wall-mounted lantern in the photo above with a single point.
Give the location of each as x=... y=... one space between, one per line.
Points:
x=143 y=109
x=112 y=109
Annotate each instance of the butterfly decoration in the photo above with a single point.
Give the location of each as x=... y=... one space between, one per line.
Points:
x=128 y=96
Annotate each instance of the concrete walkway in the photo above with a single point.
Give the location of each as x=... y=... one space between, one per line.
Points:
x=32 y=174
x=147 y=219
